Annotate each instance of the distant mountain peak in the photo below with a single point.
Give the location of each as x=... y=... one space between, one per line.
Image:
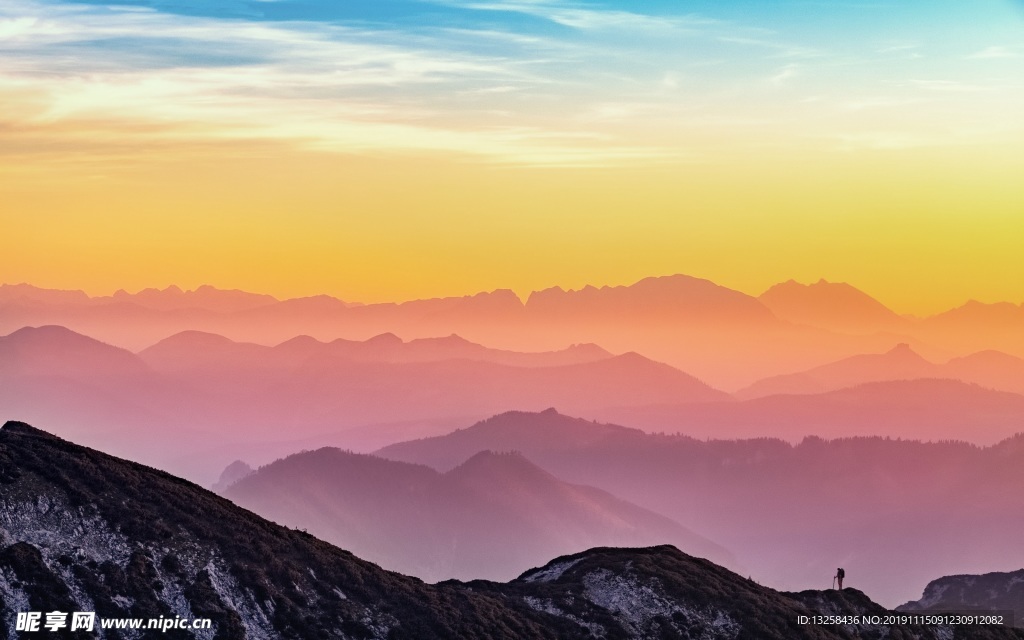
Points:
x=493 y=462
x=385 y=339
x=453 y=339
x=830 y=305
x=662 y=297
x=499 y=466
x=48 y=332
x=903 y=348
x=196 y=338
x=57 y=350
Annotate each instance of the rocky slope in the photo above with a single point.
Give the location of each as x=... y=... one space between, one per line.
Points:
x=988 y=592
x=83 y=531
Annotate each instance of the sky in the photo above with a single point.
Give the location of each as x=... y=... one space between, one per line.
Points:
x=393 y=150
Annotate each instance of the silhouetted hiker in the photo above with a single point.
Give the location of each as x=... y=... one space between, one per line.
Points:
x=840 y=574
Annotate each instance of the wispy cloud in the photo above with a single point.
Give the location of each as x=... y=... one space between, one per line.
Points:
x=992 y=52
x=950 y=86
x=576 y=16
x=784 y=74
x=533 y=82
x=779 y=48
x=319 y=86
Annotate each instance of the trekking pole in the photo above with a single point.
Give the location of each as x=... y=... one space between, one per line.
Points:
x=833 y=582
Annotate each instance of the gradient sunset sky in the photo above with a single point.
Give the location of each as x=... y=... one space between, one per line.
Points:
x=389 y=150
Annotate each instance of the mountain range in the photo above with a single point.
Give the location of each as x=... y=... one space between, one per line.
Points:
x=991 y=369
x=370 y=505
x=792 y=512
x=918 y=409
x=81 y=530
x=835 y=306
x=259 y=402
x=725 y=337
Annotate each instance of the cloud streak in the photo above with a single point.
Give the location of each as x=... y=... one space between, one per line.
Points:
x=598 y=86
x=318 y=86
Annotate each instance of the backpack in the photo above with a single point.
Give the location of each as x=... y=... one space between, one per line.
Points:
x=841 y=573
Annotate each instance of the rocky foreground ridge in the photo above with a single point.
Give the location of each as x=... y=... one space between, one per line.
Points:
x=84 y=531
x=999 y=591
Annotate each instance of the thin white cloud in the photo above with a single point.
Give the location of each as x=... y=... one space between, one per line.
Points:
x=950 y=86
x=575 y=16
x=582 y=96
x=993 y=52
x=781 y=49
x=784 y=74
x=316 y=86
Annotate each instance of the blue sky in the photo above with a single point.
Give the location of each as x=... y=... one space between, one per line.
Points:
x=872 y=141
x=533 y=81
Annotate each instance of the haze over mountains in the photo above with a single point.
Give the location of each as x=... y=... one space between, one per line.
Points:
x=991 y=369
x=213 y=377
x=81 y=530
x=918 y=409
x=724 y=337
x=259 y=403
x=831 y=305
x=491 y=501
x=893 y=513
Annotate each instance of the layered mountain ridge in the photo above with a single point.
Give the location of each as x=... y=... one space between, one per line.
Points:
x=811 y=503
x=85 y=531
x=490 y=501
x=726 y=337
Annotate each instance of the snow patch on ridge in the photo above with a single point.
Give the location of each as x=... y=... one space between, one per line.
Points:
x=552 y=572
x=641 y=608
x=547 y=605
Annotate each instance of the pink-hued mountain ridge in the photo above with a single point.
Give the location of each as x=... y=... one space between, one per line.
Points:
x=893 y=512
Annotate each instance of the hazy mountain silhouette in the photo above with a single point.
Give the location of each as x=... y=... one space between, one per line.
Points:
x=86 y=531
x=977 y=326
x=104 y=396
x=232 y=474
x=971 y=313
x=997 y=591
x=666 y=299
x=991 y=369
x=91 y=390
x=56 y=351
x=192 y=351
x=197 y=350
x=172 y=298
x=892 y=512
x=205 y=297
x=900 y=363
x=437 y=526
x=922 y=409
x=259 y=402
x=835 y=306
x=28 y=295
x=730 y=339
x=643 y=317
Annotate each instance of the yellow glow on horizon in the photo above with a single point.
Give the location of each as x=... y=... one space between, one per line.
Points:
x=921 y=229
